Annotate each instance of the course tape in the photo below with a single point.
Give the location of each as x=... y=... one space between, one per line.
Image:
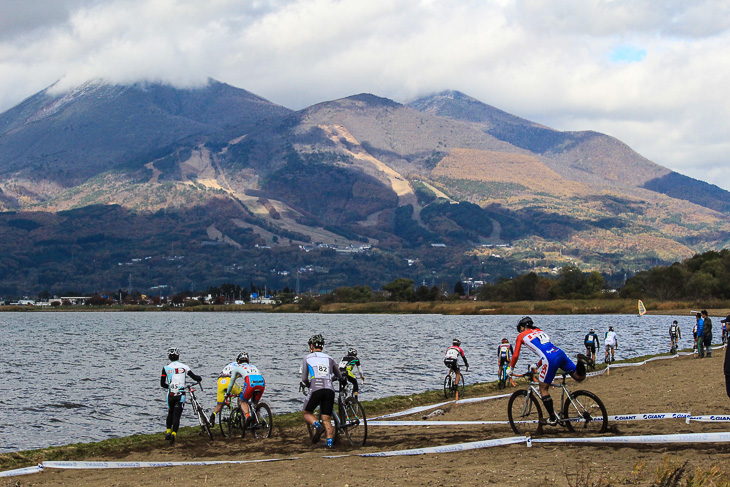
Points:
x=449 y=448
x=21 y=471
x=676 y=438
x=431 y=423
x=413 y=410
x=97 y=465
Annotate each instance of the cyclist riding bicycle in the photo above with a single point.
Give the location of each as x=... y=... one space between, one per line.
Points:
x=253 y=383
x=317 y=371
x=173 y=378
x=674 y=334
x=611 y=341
x=347 y=365
x=551 y=359
x=504 y=353
x=451 y=359
x=591 y=343
x=226 y=382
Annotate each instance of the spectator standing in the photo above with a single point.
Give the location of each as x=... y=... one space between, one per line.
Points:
x=699 y=339
x=707 y=333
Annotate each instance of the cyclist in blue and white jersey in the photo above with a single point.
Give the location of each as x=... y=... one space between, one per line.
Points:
x=504 y=353
x=253 y=383
x=173 y=378
x=551 y=359
x=317 y=371
x=591 y=342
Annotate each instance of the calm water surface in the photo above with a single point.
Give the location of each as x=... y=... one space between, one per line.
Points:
x=80 y=377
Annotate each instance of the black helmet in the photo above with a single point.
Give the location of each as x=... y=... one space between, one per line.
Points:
x=173 y=353
x=504 y=340
x=352 y=352
x=242 y=357
x=317 y=341
x=456 y=342
x=526 y=322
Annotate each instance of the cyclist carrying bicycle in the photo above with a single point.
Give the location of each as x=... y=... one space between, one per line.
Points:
x=504 y=353
x=173 y=378
x=451 y=359
x=347 y=365
x=253 y=384
x=552 y=358
x=317 y=371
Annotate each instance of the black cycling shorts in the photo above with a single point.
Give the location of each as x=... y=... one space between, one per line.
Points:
x=324 y=398
x=592 y=348
x=451 y=363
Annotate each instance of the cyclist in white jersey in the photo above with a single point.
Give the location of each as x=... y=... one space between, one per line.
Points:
x=317 y=371
x=174 y=376
x=224 y=379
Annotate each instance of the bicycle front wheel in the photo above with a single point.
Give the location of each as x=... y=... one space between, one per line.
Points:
x=584 y=413
x=447 y=386
x=502 y=378
x=265 y=424
x=224 y=420
x=204 y=422
x=525 y=414
x=354 y=422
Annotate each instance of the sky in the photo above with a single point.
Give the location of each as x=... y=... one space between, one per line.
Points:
x=653 y=73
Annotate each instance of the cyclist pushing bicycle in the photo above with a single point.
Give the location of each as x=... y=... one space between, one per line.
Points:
x=451 y=359
x=348 y=364
x=552 y=358
x=253 y=384
x=173 y=379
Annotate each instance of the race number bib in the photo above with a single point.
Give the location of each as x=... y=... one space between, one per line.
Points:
x=452 y=353
x=541 y=336
x=322 y=370
x=343 y=364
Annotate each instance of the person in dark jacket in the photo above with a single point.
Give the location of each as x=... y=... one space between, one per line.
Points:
x=707 y=333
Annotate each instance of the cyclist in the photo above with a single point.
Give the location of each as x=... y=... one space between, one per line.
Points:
x=551 y=359
x=611 y=342
x=504 y=353
x=451 y=358
x=591 y=342
x=317 y=371
x=253 y=384
x=724 y=328
x=173 y=379
x=224 y=379
x=347 y=364
x=674 y=334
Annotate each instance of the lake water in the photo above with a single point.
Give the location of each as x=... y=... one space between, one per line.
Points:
x=80 y=377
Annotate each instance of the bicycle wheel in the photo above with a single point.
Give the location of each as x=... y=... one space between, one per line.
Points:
x=585 y=414
x=224 y=420
x=203 y=421
x=355 y=424
x=265 y=424
x=461 y=387
x=447 y=385
x=524 y=412
x=502 y=378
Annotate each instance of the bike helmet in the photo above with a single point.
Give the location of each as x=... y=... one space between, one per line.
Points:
x=352 y=352
x=242 y=357
x=526 y=322
x=504 y=340
x=593 y=330
x=173 y=353
x=456 y=342
x=317 y=341
x=610 y=328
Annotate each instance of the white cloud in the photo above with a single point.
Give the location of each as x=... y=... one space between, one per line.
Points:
x=546 y=60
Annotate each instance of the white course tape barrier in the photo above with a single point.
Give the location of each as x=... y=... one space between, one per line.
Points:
x=449 y=448
x=21 y=471
x=414 y=410
x=431 y=423
x=648 y=416
x=678 y=438
x=97 y=465
x=485 y=398
x=714 y=418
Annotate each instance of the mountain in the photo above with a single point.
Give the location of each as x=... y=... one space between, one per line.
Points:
x=194 y=187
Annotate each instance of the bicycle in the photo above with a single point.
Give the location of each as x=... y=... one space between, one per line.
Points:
x=503 y=375
x=582 y=411
x=232 y=421
x=348 y=418
x=200 y=413
x=451 y=388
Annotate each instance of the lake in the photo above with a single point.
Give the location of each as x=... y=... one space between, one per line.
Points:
x=86 y=376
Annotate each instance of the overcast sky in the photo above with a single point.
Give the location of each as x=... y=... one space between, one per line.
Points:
x=653 y=73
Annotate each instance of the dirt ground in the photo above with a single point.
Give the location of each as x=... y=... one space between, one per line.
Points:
x=676 y=385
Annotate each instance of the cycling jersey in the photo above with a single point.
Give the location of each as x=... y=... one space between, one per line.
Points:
x=348 y=363
x=452 y=356
x=611 y=339
x=173 y=378
x=674 y=330
x=317 y=371
x=551 y=357
x=591 y=340
x=226 y=372
x=504 y=352
x=253 y=382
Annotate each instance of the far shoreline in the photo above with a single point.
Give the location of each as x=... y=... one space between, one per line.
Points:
x=557 y=307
